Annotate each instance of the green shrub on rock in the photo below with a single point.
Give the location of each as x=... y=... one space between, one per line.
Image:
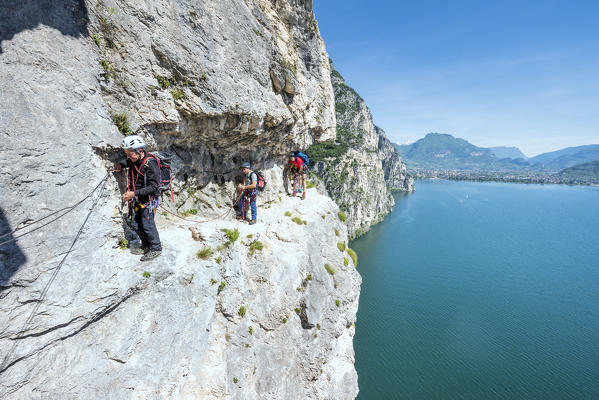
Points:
x=353 y=256
x=330 y=269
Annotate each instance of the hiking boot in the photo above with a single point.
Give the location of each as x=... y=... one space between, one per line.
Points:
x=150 y=255
x=252 y=222
x=138 y=251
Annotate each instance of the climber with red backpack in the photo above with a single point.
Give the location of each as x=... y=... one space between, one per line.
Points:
x=143 y=190
x=298 y=164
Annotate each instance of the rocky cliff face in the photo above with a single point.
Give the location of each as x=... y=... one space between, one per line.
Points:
x=360 y=168
x=214 y=82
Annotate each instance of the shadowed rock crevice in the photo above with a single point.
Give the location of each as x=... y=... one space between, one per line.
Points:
x=68 y=16
x=11 y=255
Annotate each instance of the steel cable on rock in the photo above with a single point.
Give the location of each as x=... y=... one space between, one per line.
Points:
x=68 y=210
x=4 y=366
x=208 y=220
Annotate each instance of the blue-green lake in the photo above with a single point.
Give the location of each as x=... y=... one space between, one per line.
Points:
x=481 y=291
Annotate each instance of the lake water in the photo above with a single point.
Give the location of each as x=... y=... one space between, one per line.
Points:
x=481 y=291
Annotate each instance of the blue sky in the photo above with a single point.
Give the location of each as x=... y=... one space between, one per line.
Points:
x=495 y=73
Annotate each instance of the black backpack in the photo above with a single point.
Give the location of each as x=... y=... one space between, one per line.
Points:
x=164 y=164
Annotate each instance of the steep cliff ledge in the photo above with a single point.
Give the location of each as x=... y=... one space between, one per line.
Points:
x=259 y=316
x=360 y=168
x=214 y=82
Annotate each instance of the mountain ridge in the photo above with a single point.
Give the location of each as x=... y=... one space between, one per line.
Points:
x=444 y=151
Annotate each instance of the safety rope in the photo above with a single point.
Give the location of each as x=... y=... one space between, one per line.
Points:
x=66 y=209
x=208 y=220
x=4 y=366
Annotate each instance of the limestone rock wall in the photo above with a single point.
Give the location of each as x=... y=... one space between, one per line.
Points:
x=216 y=83
x=360 y=168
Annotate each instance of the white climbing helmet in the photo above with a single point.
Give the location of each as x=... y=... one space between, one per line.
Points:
x=133 y=142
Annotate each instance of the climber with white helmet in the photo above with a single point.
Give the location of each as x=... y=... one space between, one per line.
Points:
x=142 y=192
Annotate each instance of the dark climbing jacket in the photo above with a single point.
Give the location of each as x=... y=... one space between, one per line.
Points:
x=144 y=179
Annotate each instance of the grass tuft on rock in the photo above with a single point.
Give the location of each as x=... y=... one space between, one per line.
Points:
x=341 y=246
x=163 y=81
x=121 y=120
x=353 y=256
x=288 y=213
x=221 y=287
x=342 y=216
x=330 y=269
x=256 y=246
x=242 y=311
x=232 y=235
x=345 y=261
x=178 y=94
x=123 y=244
x=338 y=303
x=146 y=274
x=205 y=253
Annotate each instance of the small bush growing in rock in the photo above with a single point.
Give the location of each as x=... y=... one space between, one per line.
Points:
x=218 y=260
x=288 y=213
x=337 y=303
x=192 y=211
x=353 y=256
x=341 y=246
x=178 y=94
x=336 y=232
x=297 y=220
x=298 y=310
x=251 y=330
x=235 y=380
x=221 y=287
x=250 y=236
x=146 y=274
x=310 y=185
x=345 y=261
x=232 y=235
x=284 y=320
x=309 y=277
x=242 y=311
x=330 y=269
x=318 y=326
x=163 y=81
x=121 y=120
x=123 y=243
x=108 y=69
x=205 y=253
x=256 y=246
x=213 y=281
x=97 y=39
x=323 y=216
x=342 y=216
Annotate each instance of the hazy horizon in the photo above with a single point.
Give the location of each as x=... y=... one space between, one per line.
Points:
x=494 y=73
